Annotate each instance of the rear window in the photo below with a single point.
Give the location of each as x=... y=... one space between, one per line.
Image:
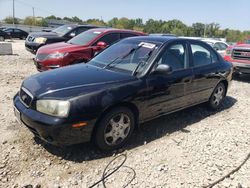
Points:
x=126 y=35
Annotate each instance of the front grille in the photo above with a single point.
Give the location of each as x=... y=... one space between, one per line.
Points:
x=242 y=54
x=41 y=57
x=25 y=96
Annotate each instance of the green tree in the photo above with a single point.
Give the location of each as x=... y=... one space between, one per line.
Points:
x=95 y=22
x=76 y=20
x=51 y=17
x=9 y=20
x=198 y=29
x=29 y=20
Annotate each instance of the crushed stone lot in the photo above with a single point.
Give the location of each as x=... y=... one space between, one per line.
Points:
x=190 y=148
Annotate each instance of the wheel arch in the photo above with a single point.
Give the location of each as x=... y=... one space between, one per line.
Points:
x=128 y=105
x=225 y=82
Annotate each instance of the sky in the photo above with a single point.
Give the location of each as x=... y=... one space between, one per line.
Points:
x=233 y=14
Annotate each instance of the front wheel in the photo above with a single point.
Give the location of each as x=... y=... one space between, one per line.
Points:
x=23 y=38
x=217 y=96
x=115 y=128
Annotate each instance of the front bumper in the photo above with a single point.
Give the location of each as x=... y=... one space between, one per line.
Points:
x=40 y=65
x=241 y=68
x=53 y=130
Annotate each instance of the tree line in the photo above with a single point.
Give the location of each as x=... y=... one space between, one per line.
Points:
x=174 y=26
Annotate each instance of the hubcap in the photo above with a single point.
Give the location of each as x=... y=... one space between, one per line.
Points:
x=218 y=95
x=117 y=129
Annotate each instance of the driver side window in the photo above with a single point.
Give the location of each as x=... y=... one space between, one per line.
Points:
x=174 y=56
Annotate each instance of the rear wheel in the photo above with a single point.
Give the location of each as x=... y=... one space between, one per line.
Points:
x=217 y=96
x=115 y=128
x=1 y=38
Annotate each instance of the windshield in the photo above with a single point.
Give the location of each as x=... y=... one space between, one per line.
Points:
x=126 y=56
x=62 y=30
x=84 y=38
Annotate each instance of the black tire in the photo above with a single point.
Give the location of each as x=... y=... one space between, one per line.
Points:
x=23 y=37
x=217 y=96
x=1 y=38
x=104 y=127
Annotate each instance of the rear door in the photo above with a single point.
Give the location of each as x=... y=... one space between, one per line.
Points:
x=167 y=93
x=17 y=33
x=205 y=63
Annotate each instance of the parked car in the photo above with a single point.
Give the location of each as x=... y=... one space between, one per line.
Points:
x=16 y=33
x=81 y=48
x=3 y=35
x=2 y=28
x=63 y=33
x=218 y=45
x=239 y=56
x=132 y=81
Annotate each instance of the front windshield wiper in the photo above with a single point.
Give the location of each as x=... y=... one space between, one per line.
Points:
x=121 y=58
x=143 y=61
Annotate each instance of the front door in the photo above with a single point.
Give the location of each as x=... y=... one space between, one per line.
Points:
x=167 y=93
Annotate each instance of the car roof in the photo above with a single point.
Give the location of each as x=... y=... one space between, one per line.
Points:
x=151 y=38
x=107 y=30
x=83 y=25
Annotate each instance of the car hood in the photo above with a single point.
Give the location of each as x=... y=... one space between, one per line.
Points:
x=58 y=47
x=44 y=34
x=87 y=78
x=241 y=46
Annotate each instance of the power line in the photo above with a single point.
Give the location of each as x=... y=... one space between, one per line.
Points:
x=37 y=8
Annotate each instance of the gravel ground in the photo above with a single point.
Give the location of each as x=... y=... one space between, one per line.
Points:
x=190 y=148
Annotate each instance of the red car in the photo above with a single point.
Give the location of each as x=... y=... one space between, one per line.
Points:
x=81 y=48
x=239 y=56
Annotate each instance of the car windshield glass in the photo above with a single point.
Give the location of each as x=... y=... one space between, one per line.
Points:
x=126 y=56
x=84 y=38
x=62 y=30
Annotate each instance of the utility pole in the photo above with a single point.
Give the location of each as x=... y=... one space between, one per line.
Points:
x=34 y=20
x=205 y=31
x=13 y=12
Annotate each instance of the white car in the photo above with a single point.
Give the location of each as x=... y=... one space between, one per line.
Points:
x=218 y=45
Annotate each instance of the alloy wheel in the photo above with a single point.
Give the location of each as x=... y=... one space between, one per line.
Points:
x=117 y=129
x=218 y=96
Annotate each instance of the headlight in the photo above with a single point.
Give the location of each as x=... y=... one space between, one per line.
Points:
x=53 y=107
x=40 y=40
x=229 y=51
x=56 y=55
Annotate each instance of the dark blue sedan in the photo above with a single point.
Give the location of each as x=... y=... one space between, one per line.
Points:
x=132 y=81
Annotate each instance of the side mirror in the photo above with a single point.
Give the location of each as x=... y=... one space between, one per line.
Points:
x=101 y=45
x=162 y=69
x=72 y=34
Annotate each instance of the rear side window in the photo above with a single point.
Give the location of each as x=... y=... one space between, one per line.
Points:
x=126 y=35
x=174 y=56
x=17 y=31
x=202 y=56
x=110 y=38
x=80 y=30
